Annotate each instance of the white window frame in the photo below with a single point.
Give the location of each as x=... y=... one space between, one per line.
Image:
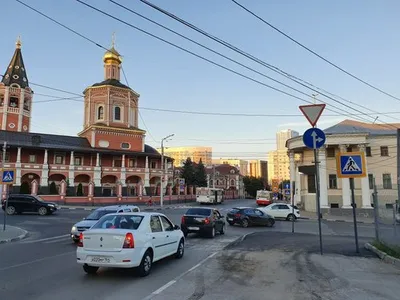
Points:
x=121 y=114
x=97 y=113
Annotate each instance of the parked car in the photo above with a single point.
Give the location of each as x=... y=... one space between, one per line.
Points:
x=247 y=216
x=94 y=216
x=203 y=220
x=129 y=240
x=282 y=211
x=17 y=204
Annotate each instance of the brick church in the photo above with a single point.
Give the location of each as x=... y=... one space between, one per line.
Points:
x=108 y=160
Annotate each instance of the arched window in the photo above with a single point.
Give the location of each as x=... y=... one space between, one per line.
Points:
x=117 y=113
x=100 y=113
x=232 y=182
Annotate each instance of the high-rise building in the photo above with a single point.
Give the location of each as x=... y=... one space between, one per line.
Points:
x=282 y=136
x=180 y=154
x=278 y=165
x=258 y=168
x=240 y=164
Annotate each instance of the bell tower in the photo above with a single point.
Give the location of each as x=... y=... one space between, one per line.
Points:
x=111 y=110
x=15 y=95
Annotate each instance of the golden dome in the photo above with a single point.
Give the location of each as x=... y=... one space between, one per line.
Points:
x=111 y=56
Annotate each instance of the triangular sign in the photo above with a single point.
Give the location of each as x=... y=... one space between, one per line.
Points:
x=7 y=177
x=312 y=112
x=351 y=166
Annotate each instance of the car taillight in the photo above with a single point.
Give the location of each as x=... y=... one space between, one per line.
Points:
x=183 y=220
x=129 y=241
x=80 y=243
x=237 y=215
x=207 y=220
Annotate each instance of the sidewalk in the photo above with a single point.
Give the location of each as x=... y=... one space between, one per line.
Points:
x=313 y=216
x=12 y=234
x=142 y=207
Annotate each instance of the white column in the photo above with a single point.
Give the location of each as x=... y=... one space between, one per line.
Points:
x=18 y=168
x=323 y=181
x=44 y=179
x=45 y=158
x=71 y=172
x=346 y=194
x=19 y=155
x=97 y=172
x=147 y=173
x=123 y=171
x=298 y=186
x=21 y=109
x=98 y=160
x=365 y=191
x=292 y=170
x=5 y=108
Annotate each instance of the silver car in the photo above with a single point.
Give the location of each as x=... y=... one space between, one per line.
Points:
x=94 y=216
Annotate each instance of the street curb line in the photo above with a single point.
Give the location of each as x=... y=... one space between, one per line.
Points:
x=144 y=209
x=18 y=238
x=335 y=220
x=383 y=256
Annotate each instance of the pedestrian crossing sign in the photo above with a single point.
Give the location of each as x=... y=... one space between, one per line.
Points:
x=8 y=176
x=350 y=165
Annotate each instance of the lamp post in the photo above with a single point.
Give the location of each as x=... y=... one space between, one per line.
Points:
x=163 y=169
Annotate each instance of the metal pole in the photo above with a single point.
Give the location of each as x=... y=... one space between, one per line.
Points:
x=353 y=204
x=162 y=174
x=213 y=176
x=2 y=171
x=376 y=212
x=398 y=166
x=292 y=186
x=318 y=195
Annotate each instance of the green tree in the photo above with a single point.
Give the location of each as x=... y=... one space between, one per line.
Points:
x=53 y=188
x=79 y=192
x=25 y=188
x=188 y=172
x=200 y=175
x=252 y=185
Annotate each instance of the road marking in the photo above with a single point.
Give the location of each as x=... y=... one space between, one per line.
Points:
x=170 y=283
x=45 y=239
x=36 y=261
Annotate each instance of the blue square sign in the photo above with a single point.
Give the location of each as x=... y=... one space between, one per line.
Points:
x=350 y=165
x=8 y=176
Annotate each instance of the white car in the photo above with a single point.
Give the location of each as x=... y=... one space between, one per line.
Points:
x=282 y=210
x=94 y=216
x=129 y=240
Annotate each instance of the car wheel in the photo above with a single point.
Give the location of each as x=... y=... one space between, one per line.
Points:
x=146 y=264
x=291 y=217
x=181 y=249
x=270 y=223
x=42 y=211
x=245 y=223
x=185 y=233
x=212 y=233
x=90 y=270
x=10 y=210
x=222 y=231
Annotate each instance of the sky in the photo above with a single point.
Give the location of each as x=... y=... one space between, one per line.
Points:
x=361 y=36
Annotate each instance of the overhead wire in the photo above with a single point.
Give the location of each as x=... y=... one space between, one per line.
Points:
x=313 y=52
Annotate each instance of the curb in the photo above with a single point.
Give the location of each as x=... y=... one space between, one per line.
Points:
x=335 y=220
x=15 y=239
x=383 y=256
x=143 y=209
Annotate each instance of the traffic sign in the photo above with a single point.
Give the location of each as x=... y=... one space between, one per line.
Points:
x=287 y=192
x=314 y=138
x=312 y=112
x=8 y=176
x=350 y=165
x=275 y=196
x=287 y=186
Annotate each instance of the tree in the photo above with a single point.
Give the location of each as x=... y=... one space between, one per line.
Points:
x=200 y=175
x=53 y=188
x=188 y=172
x=79 y=192
x=25 y=188
x=252 y=185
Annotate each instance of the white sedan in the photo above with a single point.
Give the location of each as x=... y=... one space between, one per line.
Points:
x=129 y=240
x=282 y=210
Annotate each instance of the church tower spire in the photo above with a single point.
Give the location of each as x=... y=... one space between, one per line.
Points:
x=112 y=62
x=15 y=94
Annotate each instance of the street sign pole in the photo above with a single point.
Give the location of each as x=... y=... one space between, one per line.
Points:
x=353 y=204
x=2 y=173
x=292 y=188
x=318 y=200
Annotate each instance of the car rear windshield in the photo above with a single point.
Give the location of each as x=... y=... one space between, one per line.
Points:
x=97 y=214
x=199 y=211
x=234 y=211
x=119 y=222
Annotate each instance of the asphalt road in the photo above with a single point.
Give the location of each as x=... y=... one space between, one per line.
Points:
x=43 y=266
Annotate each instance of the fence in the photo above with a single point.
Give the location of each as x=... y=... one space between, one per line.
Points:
x=387 y=215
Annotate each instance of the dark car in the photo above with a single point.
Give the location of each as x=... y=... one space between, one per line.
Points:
x=206 y=221
x=247 y=216
x=17 y=204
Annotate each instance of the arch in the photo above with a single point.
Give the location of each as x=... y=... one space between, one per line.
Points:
x=57 y=177
x=81 y=182
x=155 y=185
x=132 y=184
x=117 y=113
x=54 y=183
x=100 y=113
x=26 y=182
x=232 y=182
x=133 y=179
x=155 y=180
x=108 y=184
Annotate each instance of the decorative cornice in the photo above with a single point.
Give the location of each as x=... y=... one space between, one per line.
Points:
x=113 y=130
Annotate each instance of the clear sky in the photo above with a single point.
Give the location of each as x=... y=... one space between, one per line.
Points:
x=359 y=35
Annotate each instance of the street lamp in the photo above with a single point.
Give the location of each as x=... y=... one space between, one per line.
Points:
x=163 y=169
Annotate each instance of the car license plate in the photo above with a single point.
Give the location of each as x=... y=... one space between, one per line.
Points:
x=230 y=219
x=97 y=259
x=193 y=228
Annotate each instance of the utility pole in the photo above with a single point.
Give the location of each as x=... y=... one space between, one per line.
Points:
x=398 y=166
x=163 y=170
x=2 y=170
x=213 y=176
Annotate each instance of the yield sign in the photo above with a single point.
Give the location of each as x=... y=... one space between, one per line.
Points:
x=312 y=112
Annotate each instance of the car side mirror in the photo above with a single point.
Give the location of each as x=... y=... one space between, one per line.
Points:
x=176 y=227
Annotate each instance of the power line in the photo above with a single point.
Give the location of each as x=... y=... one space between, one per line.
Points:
x=230 y=46
x=313 y=52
